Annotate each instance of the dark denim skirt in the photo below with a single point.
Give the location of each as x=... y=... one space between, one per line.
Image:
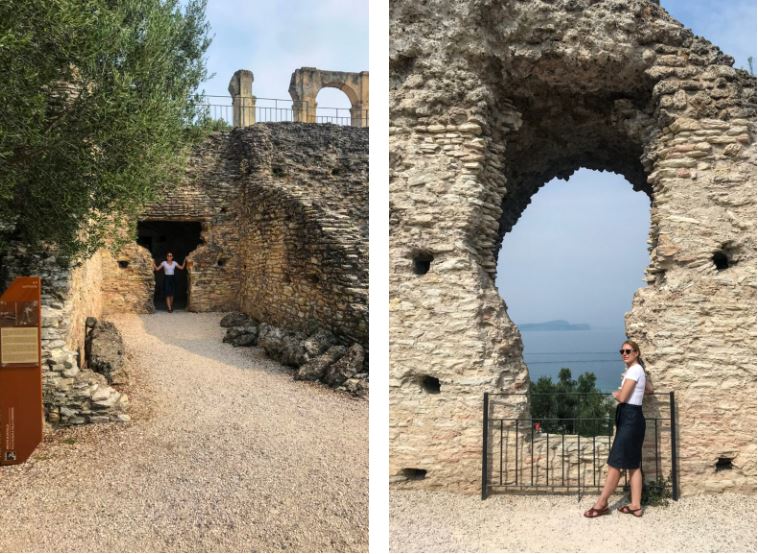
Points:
x=169 y=285
x=626 y=451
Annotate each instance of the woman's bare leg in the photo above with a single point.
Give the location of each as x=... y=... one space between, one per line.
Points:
x=611 y=482
x=170 y=302
x=635 y=481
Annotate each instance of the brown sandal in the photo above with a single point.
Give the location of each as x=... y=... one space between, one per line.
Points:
x=594 y=512
x=628 y=510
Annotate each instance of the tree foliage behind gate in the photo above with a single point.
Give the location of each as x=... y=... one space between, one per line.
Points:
x=96 y=99
x=573 y=407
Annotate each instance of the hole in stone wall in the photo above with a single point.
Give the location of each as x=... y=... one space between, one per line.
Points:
x=313 y=279
x=724 y=257
x=223 y=210
x=221 y=262
x=723 y=464
x=402 y=66
x=430 y=384
x=414 y=474
x=422 y=262
x=123 y=264
x=720 y=260
x=277 y=171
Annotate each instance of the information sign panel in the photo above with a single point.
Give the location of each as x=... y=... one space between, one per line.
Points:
x=21 y=412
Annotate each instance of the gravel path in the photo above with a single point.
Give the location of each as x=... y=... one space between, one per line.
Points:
x=423 y=521
x=225 y=452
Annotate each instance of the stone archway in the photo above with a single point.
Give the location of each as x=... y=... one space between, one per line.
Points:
x=489 y=102
x=306 y=83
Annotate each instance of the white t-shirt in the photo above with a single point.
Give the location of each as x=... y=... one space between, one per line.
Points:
x=635 y=373
x=168 y=268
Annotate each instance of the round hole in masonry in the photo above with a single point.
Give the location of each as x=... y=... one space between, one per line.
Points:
x=723 y=464
x=422 y=261
x=430 y=384
x=221 y=262
x=414 y=474
x=223 y=210
x=313 y=279
x=721 y=260
x=123 y=264
x=277 y=171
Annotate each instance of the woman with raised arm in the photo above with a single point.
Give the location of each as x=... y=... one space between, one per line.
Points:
x=169 y=285
x=626 y=451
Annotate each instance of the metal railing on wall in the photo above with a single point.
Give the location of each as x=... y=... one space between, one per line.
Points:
x=523 y=451
x=220 y=109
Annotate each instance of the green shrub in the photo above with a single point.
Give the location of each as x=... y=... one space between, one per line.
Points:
x=658 y=492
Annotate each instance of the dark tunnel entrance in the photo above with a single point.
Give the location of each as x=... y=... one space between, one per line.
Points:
x=178 y=237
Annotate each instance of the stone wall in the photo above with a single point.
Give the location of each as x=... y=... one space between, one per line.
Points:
x=305 y=229
x=283 y=210
x=72 y=394
x=127 y=281
x=210 y=194
x=489 y=101
x=85 y=283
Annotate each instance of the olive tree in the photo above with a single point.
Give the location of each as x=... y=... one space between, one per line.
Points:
x=97 y=98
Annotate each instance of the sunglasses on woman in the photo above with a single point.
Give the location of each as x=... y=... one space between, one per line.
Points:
x=625 y=351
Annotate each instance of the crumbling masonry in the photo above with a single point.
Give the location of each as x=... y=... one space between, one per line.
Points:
x=281 y=213
x=490 y=100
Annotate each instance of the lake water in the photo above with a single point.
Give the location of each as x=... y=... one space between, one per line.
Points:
x=595 y=350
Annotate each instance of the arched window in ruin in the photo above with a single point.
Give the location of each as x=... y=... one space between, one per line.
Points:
x=306 y=83
x=578 y=253
x=333 y=106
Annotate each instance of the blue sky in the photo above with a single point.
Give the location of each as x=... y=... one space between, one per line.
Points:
x=272 y=38
x=579 y=251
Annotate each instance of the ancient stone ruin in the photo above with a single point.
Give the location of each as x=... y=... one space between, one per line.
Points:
x=489 y=101
x=274 y=220
x=305 y=84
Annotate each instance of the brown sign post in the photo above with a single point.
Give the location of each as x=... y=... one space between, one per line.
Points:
x=21 y=412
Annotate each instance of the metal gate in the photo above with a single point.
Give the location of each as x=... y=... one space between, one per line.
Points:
x=525 y=452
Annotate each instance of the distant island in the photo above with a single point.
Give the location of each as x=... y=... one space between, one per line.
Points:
x=554 y=325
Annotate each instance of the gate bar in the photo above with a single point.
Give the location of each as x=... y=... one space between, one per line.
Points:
x=674 y=473
x=485 y=449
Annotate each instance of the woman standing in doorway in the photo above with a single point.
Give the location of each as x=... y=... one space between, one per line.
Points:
x=626 y=451
x=169 y=285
